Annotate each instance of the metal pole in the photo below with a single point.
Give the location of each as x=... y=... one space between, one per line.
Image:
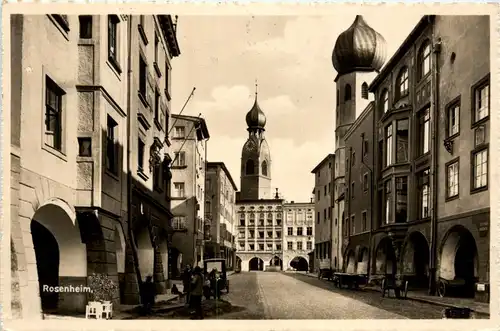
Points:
x=189 y=98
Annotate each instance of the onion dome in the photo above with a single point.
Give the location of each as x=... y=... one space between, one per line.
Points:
x=359 y=48
x=256 y=119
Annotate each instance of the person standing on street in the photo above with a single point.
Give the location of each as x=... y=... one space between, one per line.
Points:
x=197 y=293
x=186 y=281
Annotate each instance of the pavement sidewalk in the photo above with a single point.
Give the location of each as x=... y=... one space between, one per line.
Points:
x=478 y=307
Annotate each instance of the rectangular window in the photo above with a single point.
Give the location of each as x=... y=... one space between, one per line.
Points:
x=388 y=202
x=402 y=140
x=157 y=48
x=157 y=179
x=480 y=169
x=180 y=159
x=324 y=191
x=452 y=180
x=278 y=234
x=401 y=199
x=388 y=145
x=113 y=21
x=261 y=247
x=167 y=80
x=179 y=223
x=365 y=182
x=85 y=26
x=424 y=131
x=157 y=108
x=140 y=155
x=423 y=190
x=364 y=223
x=261 y=234
x=278 y=247
x=143 y=77
x=84 y=146
x=111 y=146
x=290 y=245
x=252 y=247
x=179 y=190
x=299 y=246
x=324 y=214
x=481 y=102
x=179 y=132
x=352 y=190
x=309 y=231
x=290 y=231
x=299 y=231
x=252 y=234
x=309 y=245
x=454 y=119
x=53 y=114
x=319 y=216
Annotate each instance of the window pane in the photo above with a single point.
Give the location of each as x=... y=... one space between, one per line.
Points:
x=388 y=152
x=401 y=199
x=402 y=141
x=453 y=180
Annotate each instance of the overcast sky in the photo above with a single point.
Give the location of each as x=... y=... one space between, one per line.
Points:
x=290 y=56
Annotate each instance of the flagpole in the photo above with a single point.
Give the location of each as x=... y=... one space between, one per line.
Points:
x=185 y=104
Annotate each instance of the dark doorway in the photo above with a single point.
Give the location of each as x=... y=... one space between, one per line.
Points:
x=47 y=262
x=277 y=262
x=299 y=264
x=420 y=259
x=256 y=264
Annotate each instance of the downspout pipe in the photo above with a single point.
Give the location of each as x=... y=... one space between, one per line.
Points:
x=347 y=200
x=372 y=189
x=436 y=49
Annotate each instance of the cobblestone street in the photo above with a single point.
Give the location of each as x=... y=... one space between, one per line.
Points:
x=296 y=296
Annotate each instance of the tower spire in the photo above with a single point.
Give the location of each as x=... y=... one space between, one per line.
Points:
x=256 y=88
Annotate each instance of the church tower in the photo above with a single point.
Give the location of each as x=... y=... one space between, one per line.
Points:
x=358 y=56
x=255 y=158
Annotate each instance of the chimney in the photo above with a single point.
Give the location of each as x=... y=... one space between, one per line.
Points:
x=277 y=196
x=292 y=202
x=312 y=200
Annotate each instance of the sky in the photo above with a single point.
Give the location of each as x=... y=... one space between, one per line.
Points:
x=290 y=57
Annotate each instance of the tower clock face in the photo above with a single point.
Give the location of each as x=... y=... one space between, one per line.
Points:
x=250 y=146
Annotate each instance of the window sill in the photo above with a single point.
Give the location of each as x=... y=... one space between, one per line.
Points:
x=177 y=198
x=143 y=99
x=181 y=230
x=179 y=167
x=55 y=152
x=479 y=189
x=481 y=121
x=112 y=174
x=453 y=136
x=167 y=94
x=448 y=199
x=141 y=174
x=157 y=69
x=142 y=33
x=114 y=63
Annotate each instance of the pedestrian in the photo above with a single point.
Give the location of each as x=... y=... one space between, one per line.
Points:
x=197 y=293
x=148 y=294
x=186 y=281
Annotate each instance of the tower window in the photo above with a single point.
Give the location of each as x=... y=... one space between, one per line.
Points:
x=250 y=167
x=384 y=99
x=402 y=82
x=264 y=168
x=347 y=93
x=364 y=91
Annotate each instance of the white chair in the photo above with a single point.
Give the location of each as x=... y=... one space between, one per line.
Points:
x=107 y=310
x=93 y=309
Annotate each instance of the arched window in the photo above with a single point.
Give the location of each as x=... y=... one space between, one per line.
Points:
x=364 y=90
x=250 y=167
x=424 y=59
x=347 y=93
x=402 y=82
x=384 y=101
x=264 y=168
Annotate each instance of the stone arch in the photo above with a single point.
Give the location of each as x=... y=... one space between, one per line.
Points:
x=256 y=264
x=385 y=257
x=250 y=167
x=415 y=259
x=276 y=261
x=362 y=261
x=145 y=252
x=458 y=255
x=364 y=90
x=300 y=263
x=238 y=263
x=60 y=254
x=264 y=168
x=350 y=262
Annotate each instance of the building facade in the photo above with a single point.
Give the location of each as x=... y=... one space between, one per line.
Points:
x=70 y=120
x=189 y=144
x=326 y=223
x=298 y=237
x=260 y=220
x=220 y=211
x=427 y=154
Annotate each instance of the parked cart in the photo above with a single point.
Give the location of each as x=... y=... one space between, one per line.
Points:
x=398 y=284
x=350 y=280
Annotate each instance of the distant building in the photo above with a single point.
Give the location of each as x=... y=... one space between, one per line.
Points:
x=326 y=246
x=298 y=237
x=260 y=226
x=220 y=213
x=414 y=159
x=189 y=145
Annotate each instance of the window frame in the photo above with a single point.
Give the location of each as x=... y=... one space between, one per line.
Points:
x=364 y=91
x=57 y=113
x=183 y=196
x=388 y=137
x=347 y=92
x=420 y=203
x=111 y=150
x=83 y=21
x=400 y=83
x=140 y=154
x=143 y=90
x=424 y=117
x=424 y=56
x=485 y=81
x=453 y=104
x=397 y=141
x=476 y=151
x=113 y=47
x=384 y=101
x=448 y=164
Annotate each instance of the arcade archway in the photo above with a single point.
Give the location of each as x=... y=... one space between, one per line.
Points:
x=362 y=267
x=459 y=259
x=276 y=262
x=61 y=257
x=145 y=253
x=385 y=258
x=299 y=263
x=350 y=262
x=238 y=263
x=256 y=264
x=415 y=262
